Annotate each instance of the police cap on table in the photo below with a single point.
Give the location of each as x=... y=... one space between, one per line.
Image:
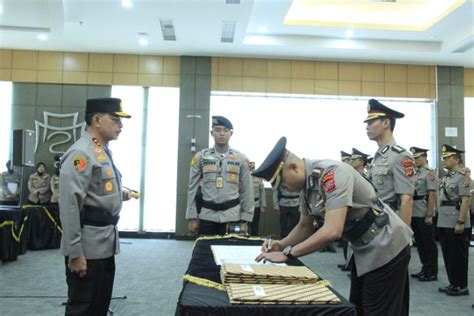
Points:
x=418 y=152
x=376 y=110
x=221 y=121
x=272 y=165
x=106 y=105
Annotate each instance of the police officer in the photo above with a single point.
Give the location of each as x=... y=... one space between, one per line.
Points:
x=226 y=186
x=259 y=198
x=10 y=184
x=453 y=221
x=345 y=157
x=55 y=181
x=393 y=167
x=38 y=185
x=424 y=201
x=287 y=204
x=379 y=238
x=90 y=199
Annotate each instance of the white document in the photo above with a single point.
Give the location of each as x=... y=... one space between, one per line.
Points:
x=238 y=254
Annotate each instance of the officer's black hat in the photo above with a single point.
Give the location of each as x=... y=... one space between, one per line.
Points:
x=375 y=110
x=221 y=121
x=369 y=160
x=418 y=152
x=448 y=151
x=345 y=156
x=358 y=154
x=271 y=167
x=106 y=105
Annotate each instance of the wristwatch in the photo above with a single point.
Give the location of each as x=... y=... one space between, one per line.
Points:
x=287 y=252
x=459 y=222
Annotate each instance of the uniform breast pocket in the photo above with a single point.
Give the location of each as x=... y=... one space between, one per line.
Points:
x=232 y=174
x=380 y=176
x=209 y=173
x=105 y=181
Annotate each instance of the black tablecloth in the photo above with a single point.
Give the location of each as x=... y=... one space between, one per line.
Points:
x=43 y=229
x=197 y=300
x=12 y=233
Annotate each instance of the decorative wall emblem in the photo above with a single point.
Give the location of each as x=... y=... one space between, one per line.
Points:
x=51 y=131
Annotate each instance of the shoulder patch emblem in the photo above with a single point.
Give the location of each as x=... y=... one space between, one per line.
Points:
x=329 y=182
x=409 y=167
x=398 y=149
x=80 y=163
x=431 y=175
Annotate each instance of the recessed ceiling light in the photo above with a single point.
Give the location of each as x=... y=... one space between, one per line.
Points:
x=127 y=4
x=143 y=39
x=42 y=37
x=349 y=33
x=1 y=9
x=262 y=29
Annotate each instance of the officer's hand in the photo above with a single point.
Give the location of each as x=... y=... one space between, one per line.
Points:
x=193 y=225
x=271 y=256
x=126 y=195
x=262 y=209
x=459 y=228
x=244 y=228
x=429 y=220
x=78 y=265
x=274 y=246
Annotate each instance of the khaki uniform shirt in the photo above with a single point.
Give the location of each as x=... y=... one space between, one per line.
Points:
x=425 y=181
x=10 y=184
x=285 y=198
x=88 y=177
x=332 y=185
x=392 y=172
x=55 y=188
x=40 y=183
x=456 y=186
x=223 y=177
x=259 y=193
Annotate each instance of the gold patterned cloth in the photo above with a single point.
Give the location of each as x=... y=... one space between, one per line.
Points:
x=265 y=274
x=281 y=294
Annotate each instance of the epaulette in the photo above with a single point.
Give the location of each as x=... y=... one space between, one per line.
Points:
x=384 y=150
x=398 y=149
x=429 y=169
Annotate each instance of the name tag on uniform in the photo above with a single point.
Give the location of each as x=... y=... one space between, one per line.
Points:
x=219 y=182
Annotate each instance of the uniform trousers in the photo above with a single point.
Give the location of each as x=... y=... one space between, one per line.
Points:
x=289 y=217
x=211 y=228
x=425 y=243
x=455 y=249
x=255 y=222
x=384 y=290
x=91 y=294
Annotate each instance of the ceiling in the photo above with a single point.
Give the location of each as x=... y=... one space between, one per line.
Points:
x=107 y=26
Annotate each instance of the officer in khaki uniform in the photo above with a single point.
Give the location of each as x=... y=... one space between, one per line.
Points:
x=38 y=185
x=10 y=185
x=55 y=181
x=454 y=221
x=226 y=186
x=379 y=238
x=259 y=198
x=90 y=200
x=424 y=201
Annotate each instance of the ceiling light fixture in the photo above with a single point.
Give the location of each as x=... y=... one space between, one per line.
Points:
x=143 y=39
x=262 y=29
x=349 y=33
x=127 y=4
x=42 y=37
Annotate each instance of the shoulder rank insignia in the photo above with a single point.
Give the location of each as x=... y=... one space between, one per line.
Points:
x=431 y=174
x=384 y=150
x=80 y=163
x=398 y=149
x=316 y=172
x=329 y=182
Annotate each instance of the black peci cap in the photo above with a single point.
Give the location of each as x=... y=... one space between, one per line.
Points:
x=375 y=110
x=418 y=152
x=221 y=121
x=106 y=105
x=271 y=167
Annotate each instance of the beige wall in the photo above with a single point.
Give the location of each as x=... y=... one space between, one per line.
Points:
x=89 y=68
x=469 y=82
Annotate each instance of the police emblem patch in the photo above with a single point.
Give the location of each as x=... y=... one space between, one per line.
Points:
x=101 y=157
x=108 y=186
x=329 y=182
x=409 y=167
x=80 y=163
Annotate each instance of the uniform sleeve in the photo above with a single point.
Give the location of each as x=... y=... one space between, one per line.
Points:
x=464 y=186
x=247 y=203
x=194 y=179
x=263 y=198
x=431 y=181
x=403 y=170
x=338 y=185
x=74 y=181
x=45 y=189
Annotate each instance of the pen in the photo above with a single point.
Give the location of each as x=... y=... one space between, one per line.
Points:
x=269 y=242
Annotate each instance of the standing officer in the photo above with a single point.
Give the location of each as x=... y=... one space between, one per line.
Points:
x=453 y=221
x=424 y=201
x=259 y=198
x=393 y=168
x=379 y=238
x=10 y=185
x=55 y=181
x=90 y=201
x=226 y=186
x=287 y=204
x=359 y=162
x=38 y=185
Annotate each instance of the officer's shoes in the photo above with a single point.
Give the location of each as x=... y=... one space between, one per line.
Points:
x=417 y=275
x=457 y=291
x=445 y=289
x=428 y=277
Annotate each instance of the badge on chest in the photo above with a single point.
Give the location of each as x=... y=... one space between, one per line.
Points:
x=219 y=182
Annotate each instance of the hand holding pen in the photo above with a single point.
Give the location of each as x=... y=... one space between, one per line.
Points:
x=271 y=245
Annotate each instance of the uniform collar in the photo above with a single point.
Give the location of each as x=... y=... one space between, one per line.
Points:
x=384 y=149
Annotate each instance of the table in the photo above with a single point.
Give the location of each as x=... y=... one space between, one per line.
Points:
x=12 y=233
x=43 y=229
x=205 y=300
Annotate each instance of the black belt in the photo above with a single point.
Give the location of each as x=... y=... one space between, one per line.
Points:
x=94 y=216
x=448 y=203
x=220 y=206
x=419 y=197
x=359 y=227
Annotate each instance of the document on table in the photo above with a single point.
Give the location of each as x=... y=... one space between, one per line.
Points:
x=238 y=254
